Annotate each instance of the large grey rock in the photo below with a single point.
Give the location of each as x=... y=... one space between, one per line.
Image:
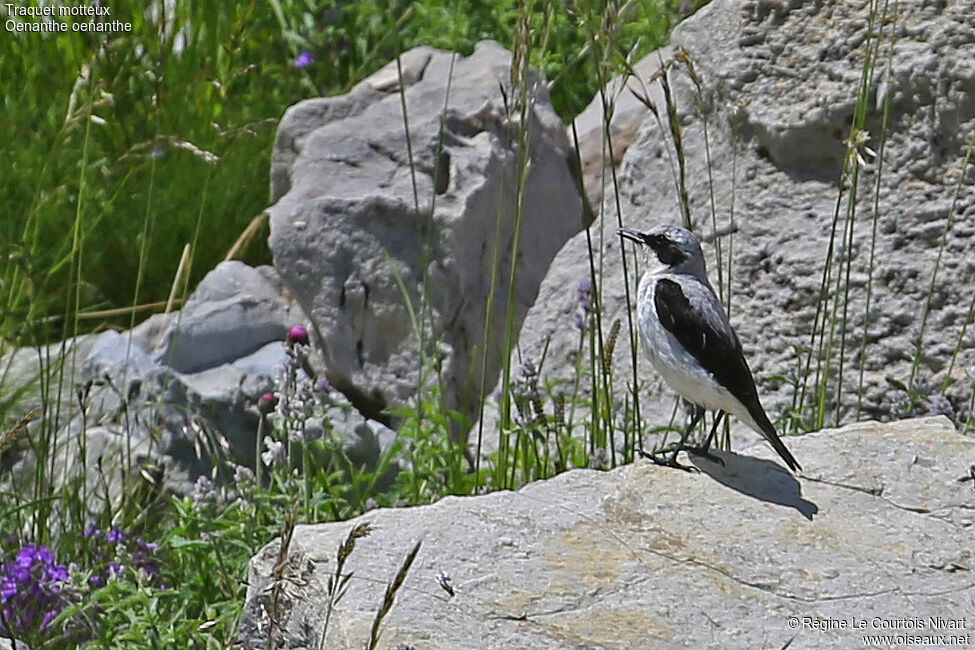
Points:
x=352 y=219
x=234 y=312
x=199 y=371
x=878 y=528
x=779 y=82
x=26 y=374
x=176 y=392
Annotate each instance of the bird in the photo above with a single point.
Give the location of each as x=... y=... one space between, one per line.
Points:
x=690 y=340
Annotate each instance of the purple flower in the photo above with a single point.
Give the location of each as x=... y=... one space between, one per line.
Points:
x=584 y=300
x=323 y=385
x=304 y=59
x=298 y=335
x=30 y=591
x=580 y=323
x=686 y=7
x=57 y=573
x=116 y=535
x=122 y=552
x=584 y=295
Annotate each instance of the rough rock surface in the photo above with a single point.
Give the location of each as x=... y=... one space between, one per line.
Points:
x=352 y=220
x=878 y=528
x=180 y=390
x=779 y=83
x=171 y=388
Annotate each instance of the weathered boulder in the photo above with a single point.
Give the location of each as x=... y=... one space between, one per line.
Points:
x=778 y=87
x=202 y=370
x=233 y=313
x=365 y=218
x=171 y=389
x=179 y=391
x=747 y=555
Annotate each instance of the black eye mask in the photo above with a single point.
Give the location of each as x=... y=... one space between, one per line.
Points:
x=668 y=252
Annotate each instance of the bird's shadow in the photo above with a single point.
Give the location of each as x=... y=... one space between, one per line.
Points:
x=756 y=477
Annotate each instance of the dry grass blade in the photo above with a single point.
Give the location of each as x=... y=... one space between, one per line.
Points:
x=245 y=237
x=338 y=583
x=178 y=278
x=390 y=595
x=10 y=436
x=277 y=574
x=610 y=345
x=208 y=157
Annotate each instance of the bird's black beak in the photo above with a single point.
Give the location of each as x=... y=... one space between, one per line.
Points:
x=632 y=235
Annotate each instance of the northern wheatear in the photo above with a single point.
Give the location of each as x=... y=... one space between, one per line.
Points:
x=690 y=341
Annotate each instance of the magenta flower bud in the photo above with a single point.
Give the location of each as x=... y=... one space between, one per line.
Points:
x=266 y=403
x=298 y=335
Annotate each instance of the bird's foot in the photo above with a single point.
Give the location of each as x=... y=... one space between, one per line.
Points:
x=667 y=460
x=704 y=453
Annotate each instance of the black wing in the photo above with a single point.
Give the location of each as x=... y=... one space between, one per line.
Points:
x=704 y=331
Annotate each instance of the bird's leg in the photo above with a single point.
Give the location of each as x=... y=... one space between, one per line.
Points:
x=698 y=414
x=671 y=461
x=703 y=449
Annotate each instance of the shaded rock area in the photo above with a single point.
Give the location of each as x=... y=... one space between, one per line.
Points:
x=359 y=227
x=779 y=82
x=747 y=555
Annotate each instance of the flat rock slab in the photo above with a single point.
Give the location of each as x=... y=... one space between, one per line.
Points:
x=874 y=537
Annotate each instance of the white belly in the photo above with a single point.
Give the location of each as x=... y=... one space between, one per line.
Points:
x=677 y=366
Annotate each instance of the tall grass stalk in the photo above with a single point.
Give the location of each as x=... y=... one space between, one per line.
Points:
x=822 y=344
x=677 y=139
x=426 y=231
x=418 y=324
x=704 y=112
x=875 y=217
x=389 y=596
x=338 y=582
x=520 y=82
x=725 y=441
x=608 y=107
x=599 y=392
x=926 y=311
x=858 y=143
x=49 y=431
